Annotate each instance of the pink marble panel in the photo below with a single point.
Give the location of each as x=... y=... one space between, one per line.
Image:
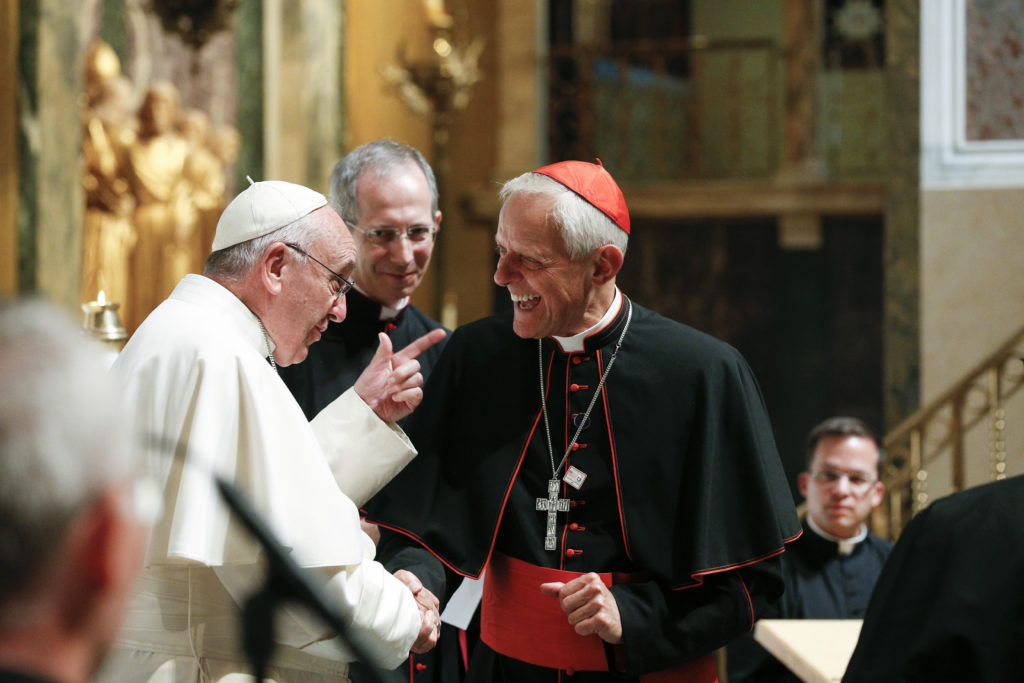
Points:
x=994 y=70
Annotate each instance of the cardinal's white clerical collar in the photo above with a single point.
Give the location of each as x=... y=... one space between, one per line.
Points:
x=846 y=545
x=576 y=342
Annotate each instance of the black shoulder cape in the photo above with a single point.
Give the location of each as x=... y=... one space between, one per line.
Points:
x=699 y=481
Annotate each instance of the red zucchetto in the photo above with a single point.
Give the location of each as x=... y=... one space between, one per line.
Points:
x=593 y=183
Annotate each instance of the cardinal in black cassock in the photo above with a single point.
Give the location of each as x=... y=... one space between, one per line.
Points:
x=584 y=433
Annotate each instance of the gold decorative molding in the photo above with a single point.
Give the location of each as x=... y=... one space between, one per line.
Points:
x=734 y=199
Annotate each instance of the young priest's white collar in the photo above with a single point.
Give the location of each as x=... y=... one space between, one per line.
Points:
x=574 y=343
x=846 y=545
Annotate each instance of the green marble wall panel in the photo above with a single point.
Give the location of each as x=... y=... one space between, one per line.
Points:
x=901 y=342
x=28 y=143
x=50 y=195
x=113 y=27
x=249 y=56
x=854 y=143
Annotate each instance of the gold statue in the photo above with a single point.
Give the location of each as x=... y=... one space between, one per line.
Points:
x=165 y=217
x=154 y=188
x=107 y=233
x=205 y=174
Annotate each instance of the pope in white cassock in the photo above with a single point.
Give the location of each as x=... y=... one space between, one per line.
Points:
x=201 y=375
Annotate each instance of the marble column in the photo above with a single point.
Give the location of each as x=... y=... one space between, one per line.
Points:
x=50 y=139
x=902 y=318
x=250 y=124
x=8 y=148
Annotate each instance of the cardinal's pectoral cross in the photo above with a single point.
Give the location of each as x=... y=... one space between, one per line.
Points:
x=551 y=505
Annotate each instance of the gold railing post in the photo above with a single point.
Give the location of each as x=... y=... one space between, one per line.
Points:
x=895 y=511
x=997 y=423
x=919 y=484
x=956 y=430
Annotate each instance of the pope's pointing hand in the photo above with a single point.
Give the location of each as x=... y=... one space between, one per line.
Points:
x=392 y=384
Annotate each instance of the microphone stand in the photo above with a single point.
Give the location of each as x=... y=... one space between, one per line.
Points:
x=286 y=582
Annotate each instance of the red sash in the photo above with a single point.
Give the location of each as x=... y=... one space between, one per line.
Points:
x=518 y=621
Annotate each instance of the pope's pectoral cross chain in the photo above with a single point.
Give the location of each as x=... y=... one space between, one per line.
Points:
x=551 y=505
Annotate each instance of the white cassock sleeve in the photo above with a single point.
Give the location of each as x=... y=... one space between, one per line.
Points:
x=342 y=428
x=379 y=610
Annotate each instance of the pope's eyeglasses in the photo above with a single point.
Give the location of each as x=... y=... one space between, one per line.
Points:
x=340 y=285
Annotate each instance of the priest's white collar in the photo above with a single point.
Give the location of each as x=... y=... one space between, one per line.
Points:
x=846 y=545
x=576 y=342
x=386 y=311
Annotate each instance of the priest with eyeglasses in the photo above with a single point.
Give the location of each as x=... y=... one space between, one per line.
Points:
x=386 y=193
x=831 y=571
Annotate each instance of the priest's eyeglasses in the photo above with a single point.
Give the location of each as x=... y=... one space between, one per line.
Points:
x=384 y=237
x=859 y=483
x=340 y=285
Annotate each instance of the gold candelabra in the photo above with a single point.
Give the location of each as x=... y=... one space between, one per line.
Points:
x=435 y=87
x=438 y=85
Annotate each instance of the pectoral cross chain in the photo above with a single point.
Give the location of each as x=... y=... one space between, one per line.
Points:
x=551 y=505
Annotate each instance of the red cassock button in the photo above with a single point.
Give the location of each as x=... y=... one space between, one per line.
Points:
x=574 y=387
x=574 y=526
x=570 y=552
x=576 y=360
x=420 y=666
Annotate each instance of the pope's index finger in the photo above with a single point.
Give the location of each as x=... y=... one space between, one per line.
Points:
x=418 y=346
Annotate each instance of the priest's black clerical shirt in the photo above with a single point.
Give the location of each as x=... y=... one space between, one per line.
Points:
x=823 y=581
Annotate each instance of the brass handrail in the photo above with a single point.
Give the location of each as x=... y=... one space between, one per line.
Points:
x=941 y=427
